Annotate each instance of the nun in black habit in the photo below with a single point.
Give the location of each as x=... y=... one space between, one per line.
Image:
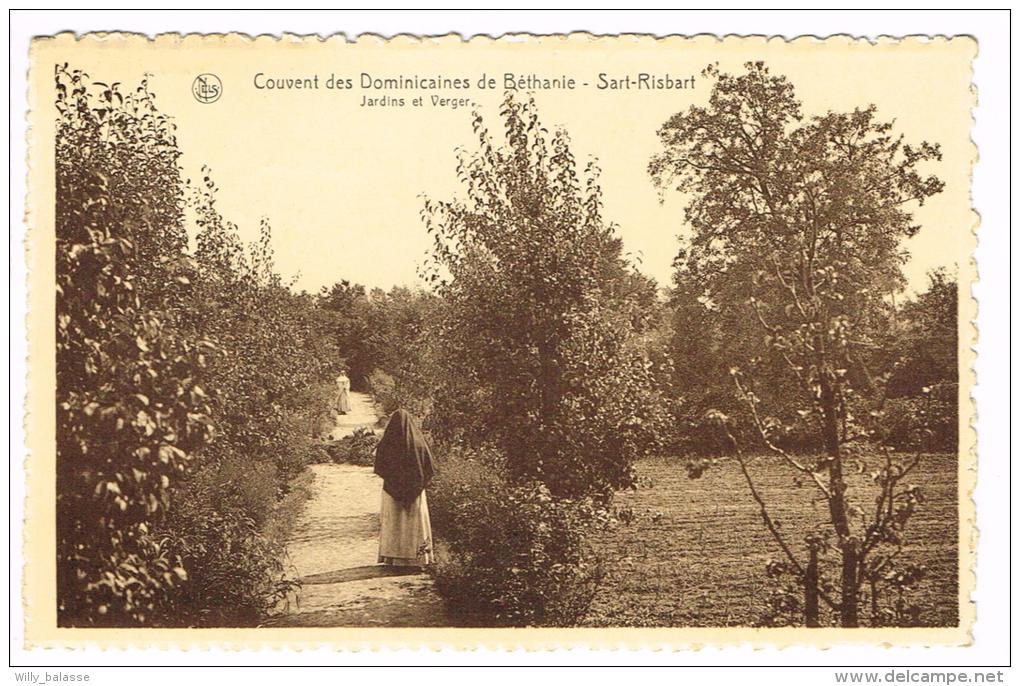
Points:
x=404 y=461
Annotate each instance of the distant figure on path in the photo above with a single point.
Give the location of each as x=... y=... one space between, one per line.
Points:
x=404 y=460
x=343 y=399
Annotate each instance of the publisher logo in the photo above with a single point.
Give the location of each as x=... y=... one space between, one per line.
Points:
x=207 y=88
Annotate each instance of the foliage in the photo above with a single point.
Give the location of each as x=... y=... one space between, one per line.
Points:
x=274 y=346
x=890 y=598
x=356 y=448
x=131 y=412
x=384 y=338
x=188 y=384
x=921 y=349
x=350 y=327
x=928 y=422
x=236 y=573
x=540 y=314
x=383 y=388
x=926 y=338
x=268 y=405
x=796 y=230
x=915 y=345
x=704 y=339
x=511 y=554
x=314 y=405
x=403 y=349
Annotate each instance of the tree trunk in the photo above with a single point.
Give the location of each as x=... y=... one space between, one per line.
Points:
x=837 y=502
x=848 y=586
x=811 y=589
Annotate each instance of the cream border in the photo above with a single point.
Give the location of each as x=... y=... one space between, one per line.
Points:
x=39 y=591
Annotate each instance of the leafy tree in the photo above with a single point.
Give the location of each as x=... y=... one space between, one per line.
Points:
x=188 y=385
x=927 y=338
x=383 y=338
x=401 y=344
x=352 y=325
x=130 y=410
x=540 y=311
x=797 y=226
x=269 y=378
x=921 y=351
x=270 y=349
x=697 y=379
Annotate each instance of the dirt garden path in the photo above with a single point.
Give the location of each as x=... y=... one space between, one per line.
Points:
x=334 y=545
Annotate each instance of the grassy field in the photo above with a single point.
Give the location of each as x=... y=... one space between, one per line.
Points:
x=696 y=551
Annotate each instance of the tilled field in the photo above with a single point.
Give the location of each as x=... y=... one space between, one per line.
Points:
x=696 y=551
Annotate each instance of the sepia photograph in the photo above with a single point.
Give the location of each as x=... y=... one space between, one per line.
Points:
x=569 y=332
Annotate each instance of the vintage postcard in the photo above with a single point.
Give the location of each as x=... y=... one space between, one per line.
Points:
x=519 y=341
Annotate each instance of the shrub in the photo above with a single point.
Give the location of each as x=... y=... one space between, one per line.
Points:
x=928 y=422
x=357 y=448
x=131 y=402
x=404 y=390
x=188 y=381
x=235 y=574
x=313 y=410
x=384 y=389
x=511 y=554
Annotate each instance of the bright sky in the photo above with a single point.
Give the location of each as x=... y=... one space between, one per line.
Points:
x=342 y=183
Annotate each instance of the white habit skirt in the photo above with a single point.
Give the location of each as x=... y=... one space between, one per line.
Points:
x=405 y=536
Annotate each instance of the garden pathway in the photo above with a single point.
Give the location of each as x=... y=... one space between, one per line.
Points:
x=334 y=545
